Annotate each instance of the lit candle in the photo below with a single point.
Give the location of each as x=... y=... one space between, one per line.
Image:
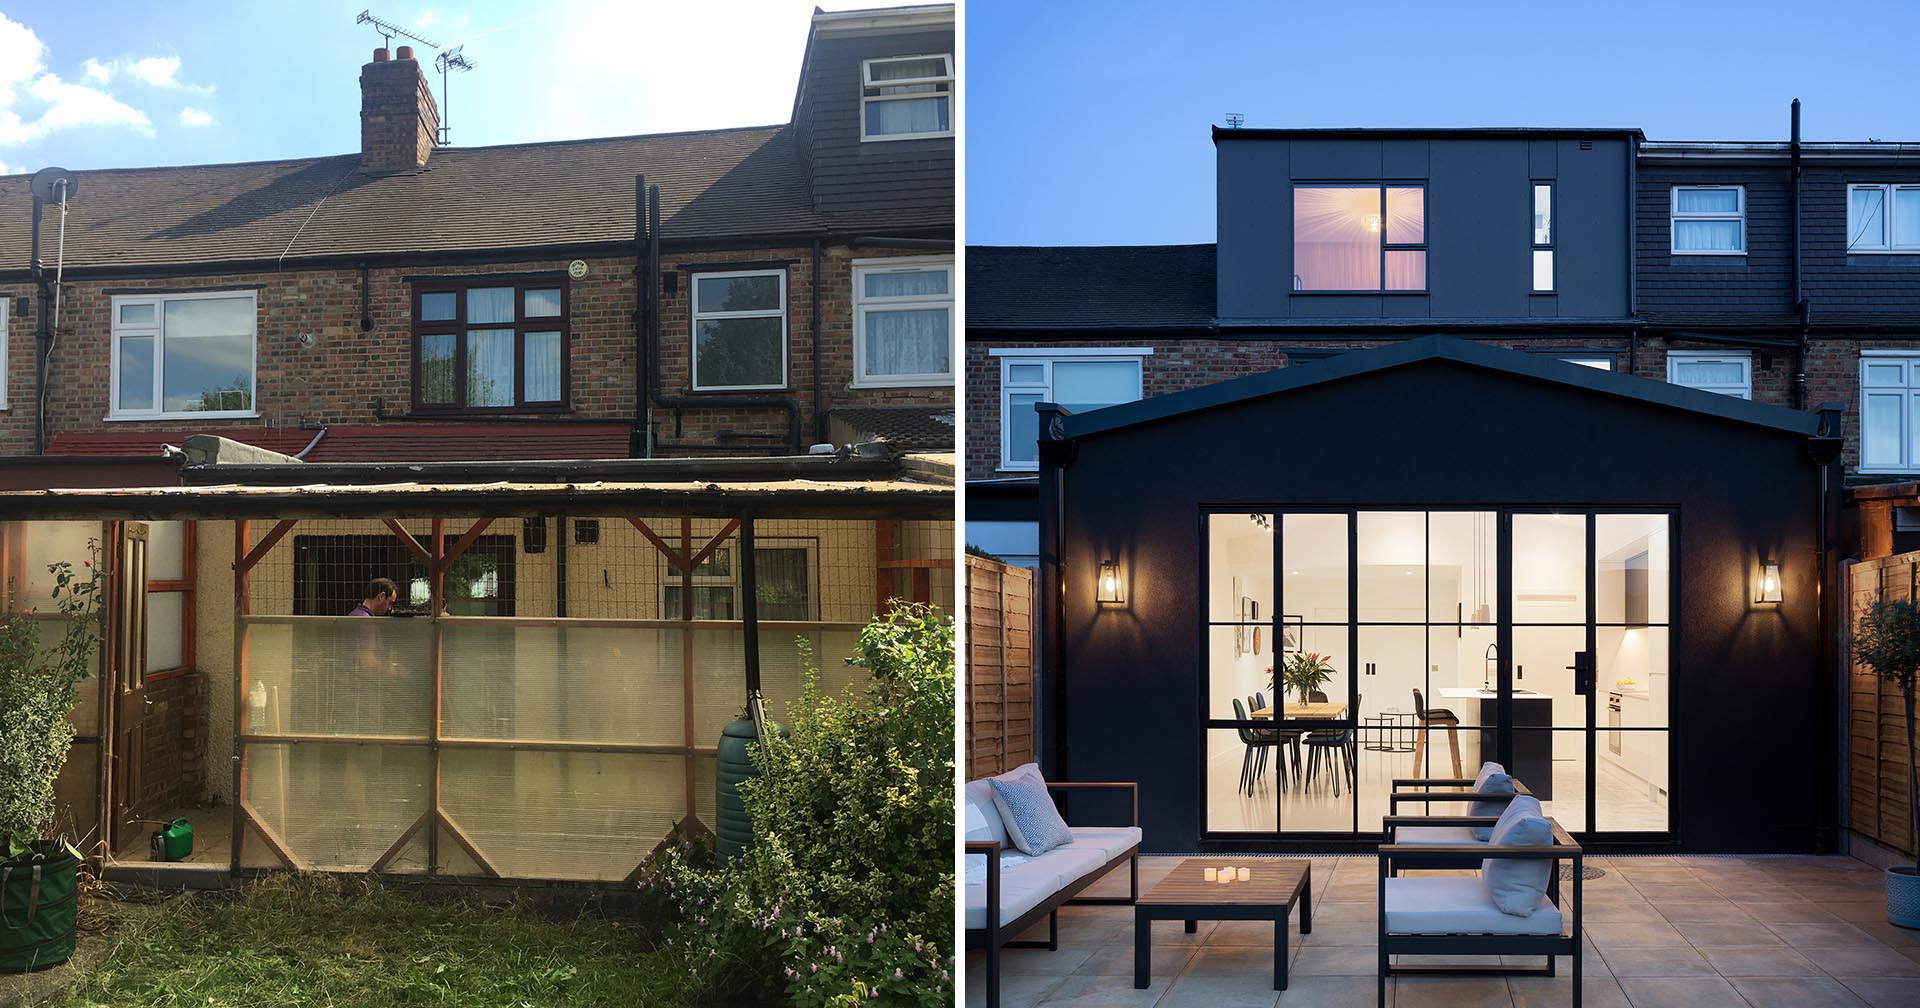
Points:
x=1226 y=875
x=1245 y=874
x=1211 y=874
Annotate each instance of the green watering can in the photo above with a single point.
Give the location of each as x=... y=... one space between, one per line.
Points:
x=173 y=841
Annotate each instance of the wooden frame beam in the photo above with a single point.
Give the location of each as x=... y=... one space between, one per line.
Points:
x=466 y=843
x=407 y=539
x=249 y=816
x=267 y=542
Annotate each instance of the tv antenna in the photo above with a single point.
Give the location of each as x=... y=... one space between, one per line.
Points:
x=388 y=30
x=452 y=59
x=1234 y=119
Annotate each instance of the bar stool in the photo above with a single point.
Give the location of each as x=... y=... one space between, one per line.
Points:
x=1429 y=718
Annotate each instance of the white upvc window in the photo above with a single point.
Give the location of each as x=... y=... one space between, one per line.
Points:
x=1883 y=219
x=6 y=312
x=787 y=572
x=739 y=330
x=1889 y=411
x=1709 y=220
x=179 y=356
x=903 y=321
x=1079 y=378
x=906 y=97
x=1712 y=371
x=1599 y=362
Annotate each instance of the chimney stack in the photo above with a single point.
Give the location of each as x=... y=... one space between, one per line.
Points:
x=398 y=119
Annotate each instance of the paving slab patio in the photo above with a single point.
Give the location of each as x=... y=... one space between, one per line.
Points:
x=1661 y=932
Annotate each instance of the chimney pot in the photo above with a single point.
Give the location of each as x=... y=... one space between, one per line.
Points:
x=380 y=55
x=405 y=53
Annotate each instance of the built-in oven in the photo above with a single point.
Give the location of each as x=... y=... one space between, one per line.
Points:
x=1613 y=723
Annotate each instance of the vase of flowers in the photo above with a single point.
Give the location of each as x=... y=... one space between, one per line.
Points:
x=1304 y=673
x=38 y=672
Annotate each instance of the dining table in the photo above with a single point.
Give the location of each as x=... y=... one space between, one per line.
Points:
x=1328 y=711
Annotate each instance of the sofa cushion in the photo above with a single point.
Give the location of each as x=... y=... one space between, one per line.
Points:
x=1492 y=779
x=980 y=795
x=1433 y=835
x=1032 y=822
x=1110 y=841
x=1516 y=885
x=1459 y=906
x=1026 y=882
x=977 y=829
x=1023 y=885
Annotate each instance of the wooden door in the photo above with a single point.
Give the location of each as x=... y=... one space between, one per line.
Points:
x=133 y=712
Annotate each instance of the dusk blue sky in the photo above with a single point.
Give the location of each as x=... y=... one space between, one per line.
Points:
x=1087 y=122
x=120 y=83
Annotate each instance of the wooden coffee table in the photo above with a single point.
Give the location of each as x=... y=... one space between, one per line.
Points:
x=1185 y=894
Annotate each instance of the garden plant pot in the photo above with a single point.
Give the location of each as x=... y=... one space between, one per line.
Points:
x=1903 y=897
x=38 y=905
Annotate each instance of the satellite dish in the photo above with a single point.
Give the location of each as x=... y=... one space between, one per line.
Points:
x=46 y=184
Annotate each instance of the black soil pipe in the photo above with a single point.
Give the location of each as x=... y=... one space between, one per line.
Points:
x=749 y=607
x=647 y=206
x=819 y=409
x=560 y=534
x=1799 y=296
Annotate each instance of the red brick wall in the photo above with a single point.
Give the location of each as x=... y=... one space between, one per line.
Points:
x=176 y=742
x=1833 y=374
x=338 y=378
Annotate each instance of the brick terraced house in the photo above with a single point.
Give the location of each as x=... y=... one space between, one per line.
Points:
x=561 y=394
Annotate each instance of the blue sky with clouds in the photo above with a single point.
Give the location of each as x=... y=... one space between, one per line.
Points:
x=1087 y=120
x=119 y=83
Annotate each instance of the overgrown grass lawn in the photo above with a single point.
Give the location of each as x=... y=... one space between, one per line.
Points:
x=319 y=941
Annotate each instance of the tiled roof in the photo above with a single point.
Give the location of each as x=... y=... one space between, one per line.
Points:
x=713 y=183
x=405 y=442
x=1090 y=287
x=908 y=428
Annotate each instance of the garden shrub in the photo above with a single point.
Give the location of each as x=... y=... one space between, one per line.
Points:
x=847 y=894
x=37 y=681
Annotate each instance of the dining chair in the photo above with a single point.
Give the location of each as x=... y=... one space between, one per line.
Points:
x=1289 y=749
x=1257 y=742
x=1328 y=740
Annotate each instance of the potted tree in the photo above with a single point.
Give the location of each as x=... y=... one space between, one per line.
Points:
x=38 y=673
x=1888 y=638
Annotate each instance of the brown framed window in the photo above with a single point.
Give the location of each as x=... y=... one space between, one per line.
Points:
x=490 y=343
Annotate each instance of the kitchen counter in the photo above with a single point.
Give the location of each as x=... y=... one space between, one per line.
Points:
x=1532 y=750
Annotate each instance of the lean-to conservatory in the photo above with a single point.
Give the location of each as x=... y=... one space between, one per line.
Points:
x=544 y=699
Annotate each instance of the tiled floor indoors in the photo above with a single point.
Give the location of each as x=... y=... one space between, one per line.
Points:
x=1681 y=932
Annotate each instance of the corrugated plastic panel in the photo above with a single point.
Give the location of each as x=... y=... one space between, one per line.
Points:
x=565 y=684
x=561 y=815
x=341 y=676
x=338 y=807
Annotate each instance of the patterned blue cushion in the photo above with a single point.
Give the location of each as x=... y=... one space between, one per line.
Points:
x=1027 y=811
x=1492 y=779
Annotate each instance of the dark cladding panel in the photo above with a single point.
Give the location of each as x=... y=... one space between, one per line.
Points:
x=1543 y=161
x=1403 y=159
x=1478 y=253
x=1255 y=227
x=1325 y=160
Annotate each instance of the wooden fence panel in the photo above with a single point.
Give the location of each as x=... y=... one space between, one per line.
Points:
x=1876 y=721
x=999 y=686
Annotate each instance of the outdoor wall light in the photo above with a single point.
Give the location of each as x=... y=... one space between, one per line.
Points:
x=1110 y=590
x=1768 y=590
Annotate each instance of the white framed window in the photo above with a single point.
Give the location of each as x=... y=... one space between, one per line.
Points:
x=1543 y=237
x=1709 y=220
x=6 y=312
x=183 y=355
x=787 y=572
x=903 y=321
x=1889 y=411
x=1080 y=378
x=739 y=330
x=906 y=97
x=1712 y=371
x=1883 y=218
x=1598 y=362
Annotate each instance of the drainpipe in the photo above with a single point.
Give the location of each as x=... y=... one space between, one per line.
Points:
x=1825 y=448
x=819 y=413
x=647 y=335
x=1799 y=295
x=1056 y=453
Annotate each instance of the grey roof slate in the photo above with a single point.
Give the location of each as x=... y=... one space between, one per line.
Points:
x=1115 y=287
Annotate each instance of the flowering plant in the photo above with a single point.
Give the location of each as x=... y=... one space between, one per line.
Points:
x=846 y=896
x=1306 y=673
x=37 y=680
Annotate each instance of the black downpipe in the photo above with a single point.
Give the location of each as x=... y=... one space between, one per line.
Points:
x=43 y=337
x=560 y=565
x=749 y=608
x=819 y=407
x=647 y=203
x=366 y=299
x=1799 y=296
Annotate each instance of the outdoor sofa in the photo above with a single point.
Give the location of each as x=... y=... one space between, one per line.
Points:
x=1008 y=892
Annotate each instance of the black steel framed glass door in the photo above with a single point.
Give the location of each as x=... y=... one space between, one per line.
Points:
x=1540 y=639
